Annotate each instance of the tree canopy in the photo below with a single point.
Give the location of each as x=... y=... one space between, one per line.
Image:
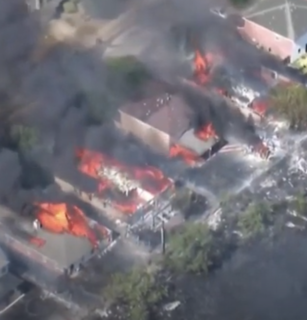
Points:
x=126 y=74
x=290 y=101
x=300 y=204
x=23 y=137
x=254 y=220
x=192 y=249
x=139 y=290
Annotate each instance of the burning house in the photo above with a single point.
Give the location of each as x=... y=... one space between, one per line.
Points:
x=57 y=237
x=164 y=124
x=125 y=188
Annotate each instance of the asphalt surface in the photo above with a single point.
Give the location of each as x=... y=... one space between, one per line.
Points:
x=288 y=18
x=34 y=307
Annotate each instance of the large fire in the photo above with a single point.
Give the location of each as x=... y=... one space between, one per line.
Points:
x=128 y=180
x=64 y=218
x=188 y=156
x=202 y=67
x=206 y=132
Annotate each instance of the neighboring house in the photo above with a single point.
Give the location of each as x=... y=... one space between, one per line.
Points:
x=267 y=39
x=276 y=24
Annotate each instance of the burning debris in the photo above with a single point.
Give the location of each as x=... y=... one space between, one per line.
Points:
x=124 y=187
x=188 y=156
x=120 y=179
x=65 y=218
x=206 y=132
x=260 y=149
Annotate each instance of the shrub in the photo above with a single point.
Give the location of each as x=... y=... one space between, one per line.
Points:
x=254 y=220
x=139 y=290
x=192 y=249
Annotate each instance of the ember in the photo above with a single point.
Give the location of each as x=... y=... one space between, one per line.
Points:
x=205 y=132
x=61 y=218
x=111 y=174
x=188 y=156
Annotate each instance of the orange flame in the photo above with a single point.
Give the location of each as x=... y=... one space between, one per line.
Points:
x=202 y=67
x=152 y=179
x=262 y=150
x=205 y=132
x=61 y=218
x=188 y=156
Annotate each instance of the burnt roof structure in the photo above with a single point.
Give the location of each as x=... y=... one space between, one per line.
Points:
x=284 y=17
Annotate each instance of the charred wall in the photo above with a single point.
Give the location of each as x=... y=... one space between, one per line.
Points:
x=154 y=138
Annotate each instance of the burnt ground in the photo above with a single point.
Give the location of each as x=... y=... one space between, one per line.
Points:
x=224 y=173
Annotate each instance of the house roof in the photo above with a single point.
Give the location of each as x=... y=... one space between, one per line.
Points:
x=267 y=39
x=165 y=112
x=284 y=17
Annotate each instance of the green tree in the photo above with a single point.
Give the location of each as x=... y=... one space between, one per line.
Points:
x=140 y=290
x=191 y=249
x=290 y=101
x=127 y=74
x=23 y=137
x=300 y=205
x=254 y=220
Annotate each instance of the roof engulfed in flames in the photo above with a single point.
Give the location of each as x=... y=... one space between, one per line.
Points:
x=128 y=180
x=64 y=218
